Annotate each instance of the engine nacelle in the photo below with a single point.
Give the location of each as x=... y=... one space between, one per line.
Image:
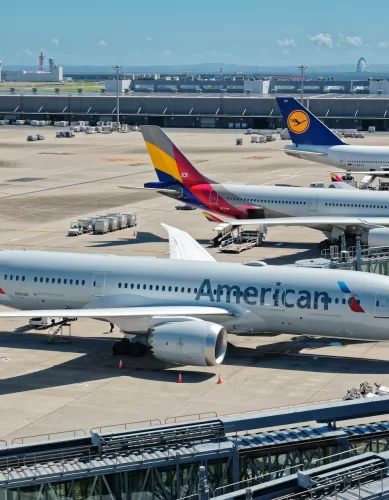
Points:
x=189 y=342
x=377 y=237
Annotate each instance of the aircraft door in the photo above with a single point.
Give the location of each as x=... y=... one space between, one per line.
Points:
x=381 y=309
x=312 y=206
x=342 y=161
x=98 y=284
x=213 y=197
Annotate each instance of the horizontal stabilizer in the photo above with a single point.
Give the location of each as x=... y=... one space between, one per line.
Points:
x=299 y=152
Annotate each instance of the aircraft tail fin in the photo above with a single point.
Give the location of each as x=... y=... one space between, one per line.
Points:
x=170 y=164
x=339 y=183
x=303 y=126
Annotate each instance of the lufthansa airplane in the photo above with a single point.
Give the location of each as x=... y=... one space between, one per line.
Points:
x=334 y=212
x=312 y=140
x=182 y=308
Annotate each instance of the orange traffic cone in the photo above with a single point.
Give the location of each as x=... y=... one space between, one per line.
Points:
x=134 y=234
x=179 y=381
x=219 y=380
x=120 y=364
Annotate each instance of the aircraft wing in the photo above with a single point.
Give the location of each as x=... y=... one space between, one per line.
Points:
x=314 y=221
x=299 y=152
x=184 y=247
x=376 y=173
x=120 y=312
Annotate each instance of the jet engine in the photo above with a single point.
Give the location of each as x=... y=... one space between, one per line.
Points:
x=377 y=237
x=189 y=342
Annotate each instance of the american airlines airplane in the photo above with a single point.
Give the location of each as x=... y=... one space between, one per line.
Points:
x=312 y=140
x=182 y=308
x=335 y=212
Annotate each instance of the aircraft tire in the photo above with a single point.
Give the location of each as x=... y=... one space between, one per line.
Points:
x=323 y=245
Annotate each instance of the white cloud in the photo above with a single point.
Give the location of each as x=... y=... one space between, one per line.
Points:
x=383 y=45
x=102 y=43
x=55 y=41
x=356 y=41
x=27 y=51
x=287 y=42
x=148 y=39
x=321 y=39
x=212 y=53
x=167 y=53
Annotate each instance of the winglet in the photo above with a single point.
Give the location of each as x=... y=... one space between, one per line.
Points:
x=183 y=247
x=303 y=126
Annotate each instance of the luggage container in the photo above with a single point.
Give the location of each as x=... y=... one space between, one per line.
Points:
x=101 y=226
x=254 y=139
x=86 y=224
x=20 y=122
x=261 y=138
x=34 y=123
x=131 y=220
x=284 y=135
x=69 y=133
x=113 y=223
x=270 y=137
x=32 y=138
x=122 y=220
x=59 y=134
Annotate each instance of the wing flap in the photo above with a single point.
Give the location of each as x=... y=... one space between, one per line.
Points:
x=120 y=312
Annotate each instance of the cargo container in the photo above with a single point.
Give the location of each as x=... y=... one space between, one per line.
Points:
x=86 y=224
x=113 y=223
x=122 y=220
x=20 y=122
x=101 y=226
x=284 y=135
x=131 y=220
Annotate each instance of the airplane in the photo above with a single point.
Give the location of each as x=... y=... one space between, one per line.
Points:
x=312 y=140
x=335 y=212
x=181 y=308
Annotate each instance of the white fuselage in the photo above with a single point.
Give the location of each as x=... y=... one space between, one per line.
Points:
x=270 y=299
x=281 y=201
x=347 y=156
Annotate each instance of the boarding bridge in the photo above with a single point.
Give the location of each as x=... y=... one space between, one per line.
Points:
x=207 y=457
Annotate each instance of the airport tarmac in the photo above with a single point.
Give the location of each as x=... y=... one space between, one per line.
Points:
x=48 y=388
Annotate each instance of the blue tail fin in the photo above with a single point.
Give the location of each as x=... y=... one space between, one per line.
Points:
x=303 y=126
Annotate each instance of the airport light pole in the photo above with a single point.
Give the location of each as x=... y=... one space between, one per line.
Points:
x=117 y=68
x=302 y=68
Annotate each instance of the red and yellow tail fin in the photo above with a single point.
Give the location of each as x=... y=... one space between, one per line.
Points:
x=212 y=218
x=170 y=164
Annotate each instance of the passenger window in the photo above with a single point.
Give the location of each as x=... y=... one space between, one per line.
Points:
x=53 y=280
x=77 y=282
x=70 y=282
x=83 y=282
x=170 y=289
x=119 y=285
x=150 y=287
x=17 y=278
x=11 y=277
x=65 y=281
x=35 y=279
x=163 y=288
x=23 y=278
x=138 y=286
x=182 y=290
x=125 y=285
x=343 y=301
x=157 y=287
x=195 y=290
x=336 y=301
x=132 y=286
x=47 y=280
x=59 y=281
x=144 y=287
x=5 y=276
x=189 y=289
x=40 y=279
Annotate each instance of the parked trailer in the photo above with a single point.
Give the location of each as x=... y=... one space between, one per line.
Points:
x=131 y=220
x=113 y=223
x=86 y=224
x=101 y=226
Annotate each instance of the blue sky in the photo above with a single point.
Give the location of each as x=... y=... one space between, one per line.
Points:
x=280 y=32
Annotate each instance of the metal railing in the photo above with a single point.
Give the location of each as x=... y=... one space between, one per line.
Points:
x=200 y=416
x=252 y=481
x=49 y=436
x=104 y=429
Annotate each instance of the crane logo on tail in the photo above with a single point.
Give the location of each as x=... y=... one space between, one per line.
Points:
x=352 y=301
x=298 y=121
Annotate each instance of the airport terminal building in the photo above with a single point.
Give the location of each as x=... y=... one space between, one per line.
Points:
x=194 y=111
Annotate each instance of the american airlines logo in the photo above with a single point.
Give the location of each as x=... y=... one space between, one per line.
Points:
x=276 y=297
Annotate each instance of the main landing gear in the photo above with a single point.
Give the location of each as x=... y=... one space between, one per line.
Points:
x=325 y=244
x=128 y=348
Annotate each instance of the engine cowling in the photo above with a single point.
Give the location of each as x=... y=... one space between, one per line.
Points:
x=377 y=237
x=189 y=342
